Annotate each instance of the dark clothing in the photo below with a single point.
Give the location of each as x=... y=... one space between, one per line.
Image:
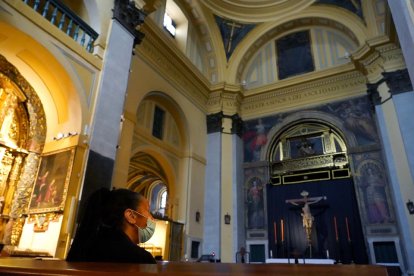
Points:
x=108 y=245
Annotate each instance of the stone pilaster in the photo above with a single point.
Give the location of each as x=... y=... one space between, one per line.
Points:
x=106 y=123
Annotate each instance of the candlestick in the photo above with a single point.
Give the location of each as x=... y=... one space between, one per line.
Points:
x=336 y=229
x=282 y=230
x=347 y=229
x=275 y=230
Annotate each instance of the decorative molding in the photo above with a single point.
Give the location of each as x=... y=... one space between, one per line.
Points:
x=398 y=81
x=130 y=17
x=160 y=53
x=226 y=98
x=346 y=85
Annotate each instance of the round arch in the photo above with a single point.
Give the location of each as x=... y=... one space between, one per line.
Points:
x=52 y=77
x=154 y=166
x=266 y=31
x=176 y=112
x=307 y=116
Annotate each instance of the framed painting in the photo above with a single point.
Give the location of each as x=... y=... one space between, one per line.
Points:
x=51 y=182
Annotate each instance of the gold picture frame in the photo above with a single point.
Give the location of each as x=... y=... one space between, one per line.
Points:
x=51 y=183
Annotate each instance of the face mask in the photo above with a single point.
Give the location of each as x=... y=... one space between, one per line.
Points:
x=146 y=233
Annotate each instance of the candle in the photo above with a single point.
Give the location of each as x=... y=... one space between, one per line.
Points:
x=282 y=231
x=275 y=229
x=336 y=229
x=347 y=229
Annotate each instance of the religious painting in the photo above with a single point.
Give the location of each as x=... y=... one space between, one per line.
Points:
x=294 y=55
x=357 y=118
x=51 y=183
x=301 y=147
x=255 y=203
x=255 y=137
x=373 y=184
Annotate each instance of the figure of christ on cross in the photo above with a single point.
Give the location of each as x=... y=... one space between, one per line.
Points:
x=232 y=26
x=307 y=217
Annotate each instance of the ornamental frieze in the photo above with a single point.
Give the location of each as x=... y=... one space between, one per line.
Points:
x=344 y=86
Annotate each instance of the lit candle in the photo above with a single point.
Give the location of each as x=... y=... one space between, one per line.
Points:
x=336 y=229
x=347 y=229
x=275 y=229
x=282 y=230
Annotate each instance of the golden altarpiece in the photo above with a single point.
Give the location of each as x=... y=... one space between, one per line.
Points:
x=22 y=130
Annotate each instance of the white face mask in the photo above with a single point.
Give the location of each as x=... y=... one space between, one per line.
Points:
x=146 y=233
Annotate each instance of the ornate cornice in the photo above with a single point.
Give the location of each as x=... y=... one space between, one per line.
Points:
x=346 y=85
x=226 y=98
x=163 y=55
x=398 y=81
x=130 y=17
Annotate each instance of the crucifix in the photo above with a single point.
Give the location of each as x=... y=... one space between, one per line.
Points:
x=307 y=218
x=232 y=25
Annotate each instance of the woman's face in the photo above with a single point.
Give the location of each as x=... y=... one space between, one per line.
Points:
x=143 y=211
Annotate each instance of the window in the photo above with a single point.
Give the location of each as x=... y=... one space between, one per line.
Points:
x=169 y=24
x=163 y=201
x=158 y=123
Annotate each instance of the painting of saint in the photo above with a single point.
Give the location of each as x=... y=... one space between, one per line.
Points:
x=50 y=187
x=375 y=195
x=255 y=204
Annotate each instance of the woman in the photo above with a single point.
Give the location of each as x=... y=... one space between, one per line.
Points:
x=113 y=224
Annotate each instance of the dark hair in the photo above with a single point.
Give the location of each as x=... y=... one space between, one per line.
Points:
x=118 y=201
x=107 y=208
x=104 y=208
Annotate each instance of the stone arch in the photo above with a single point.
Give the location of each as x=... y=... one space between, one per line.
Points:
x=175 y=110
x=167 y=155
x=149 y=166
x=347 y=22
x=37 y=118
x=308 y=116
x=52 y=76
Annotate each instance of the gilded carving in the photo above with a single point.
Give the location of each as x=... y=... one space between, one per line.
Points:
x=42 y=221
x=36 y=116
x=21 y=199
x=6 y=165
x=11 y=186
x=312 y=162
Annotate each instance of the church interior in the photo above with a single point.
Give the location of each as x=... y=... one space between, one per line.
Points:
x=282 y=129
